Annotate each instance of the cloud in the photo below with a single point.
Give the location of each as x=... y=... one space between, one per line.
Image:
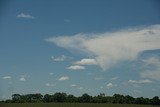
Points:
x=50 y=85
x=86 y=62
x=152 y=73
x=59 y=58
x=152 y=61
x=26 y=16
x=110 y=85
x=51 y=73
x=63 y=78
x=80 y=88
x=112 y=47
x=76 y=67
x=98 y=78
x=73 y=85
x=24 y=77
x=114 y=78
x=140 y=81
x=7 y=77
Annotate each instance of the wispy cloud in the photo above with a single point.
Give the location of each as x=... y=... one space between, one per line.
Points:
x=60 y=58
x=152 y=73
x=50 y=85
x=51 y=73
x=24 y=15
x=86 y=62
x=7 y=77
x=139 y=81
x=73 y=85
x=63 y=78
x=98 y=78
x=114 y=78
x=76 y=67
x=112 y=47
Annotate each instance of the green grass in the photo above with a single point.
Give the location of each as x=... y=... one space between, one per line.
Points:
x=70 y=105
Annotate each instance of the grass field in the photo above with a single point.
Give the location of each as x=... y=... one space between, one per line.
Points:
x=70 y=105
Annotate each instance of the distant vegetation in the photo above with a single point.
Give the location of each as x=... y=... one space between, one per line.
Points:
x=85 y=98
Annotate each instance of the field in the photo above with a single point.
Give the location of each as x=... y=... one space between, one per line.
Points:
x=70 y=105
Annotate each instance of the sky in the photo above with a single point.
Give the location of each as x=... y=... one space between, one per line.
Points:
x=80 y=46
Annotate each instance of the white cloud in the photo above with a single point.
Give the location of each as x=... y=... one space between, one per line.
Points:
x=7 y=77
x=86 y=62
x=26 y=16
x=76 y=67
x=139 y=81
x=110 y=85
x=63 y=78
x=59 y=58
x=50 y=85
x=24 y=77
x=110 y=48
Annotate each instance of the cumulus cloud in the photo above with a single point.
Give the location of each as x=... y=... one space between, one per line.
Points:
x=24 y=77
x=76 y=67
x=7 y=77
x=26 y=16
x=86 y=62
x=63 y=78
x=110 y=85
x=112 y=47
x=59 y=58
x=139 y=81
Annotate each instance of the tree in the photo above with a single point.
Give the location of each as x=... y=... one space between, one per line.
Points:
x=85 y=98
x=59 y=97
x=118 y=98
x=16 y=98
x=47 y=98
x=155 y=100
x=71 y=98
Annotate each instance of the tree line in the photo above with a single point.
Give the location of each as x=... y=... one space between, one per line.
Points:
x=85 y=98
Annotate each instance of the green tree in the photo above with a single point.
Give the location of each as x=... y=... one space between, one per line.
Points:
x=85 y=98
x=59 y=97
x=155 y=100
x=16 y=98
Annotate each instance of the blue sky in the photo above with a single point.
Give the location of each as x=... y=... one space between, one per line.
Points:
x=80 y=46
